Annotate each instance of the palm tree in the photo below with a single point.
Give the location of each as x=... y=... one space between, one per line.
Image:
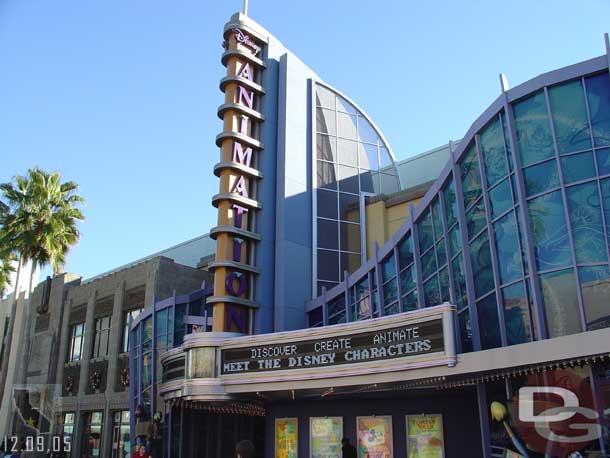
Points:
x=7 y=267
x=42 y=227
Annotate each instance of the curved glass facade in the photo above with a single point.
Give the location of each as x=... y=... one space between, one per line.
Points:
x=157 y=329
x=514 y=232
x=352 y=160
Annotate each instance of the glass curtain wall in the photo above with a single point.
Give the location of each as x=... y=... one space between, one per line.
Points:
x=153 y=334
x=539 y=176
x=350 y=159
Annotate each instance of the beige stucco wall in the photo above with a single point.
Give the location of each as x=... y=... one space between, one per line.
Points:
x=383 y=220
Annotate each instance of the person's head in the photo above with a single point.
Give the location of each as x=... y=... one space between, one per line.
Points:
x=345 y=441
x=142 y=450
x=244 y=449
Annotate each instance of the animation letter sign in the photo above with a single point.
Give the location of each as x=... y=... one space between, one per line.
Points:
x=237 y=201
x=396 y=342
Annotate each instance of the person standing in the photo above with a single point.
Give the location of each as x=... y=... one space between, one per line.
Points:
x=347 y=449
x=244 y=449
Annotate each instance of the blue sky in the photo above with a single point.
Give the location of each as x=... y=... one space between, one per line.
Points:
x=121 y=96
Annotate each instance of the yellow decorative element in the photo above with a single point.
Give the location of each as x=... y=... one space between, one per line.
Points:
x=498 y=411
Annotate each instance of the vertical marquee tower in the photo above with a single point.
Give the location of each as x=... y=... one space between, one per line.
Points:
x=238 y=204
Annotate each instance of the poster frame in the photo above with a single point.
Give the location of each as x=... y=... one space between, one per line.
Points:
x=311 y=435
x=296 y=431
x=390 y=422
x=426 y=415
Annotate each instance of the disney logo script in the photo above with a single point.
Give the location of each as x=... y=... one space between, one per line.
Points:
x=246 y=40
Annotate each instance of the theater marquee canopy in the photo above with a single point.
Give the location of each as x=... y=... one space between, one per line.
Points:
x=208 y=363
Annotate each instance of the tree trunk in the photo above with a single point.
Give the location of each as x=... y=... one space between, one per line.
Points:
x=26 y=334
x=8 y=340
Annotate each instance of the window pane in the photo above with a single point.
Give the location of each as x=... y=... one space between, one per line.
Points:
x=347 y=152
x=390 y=292
x=424 y=231
x=507 y=246
x=369 y=181
x=346 y=126
x=389 y=183
x=328 y=234
x=471 y=181
x=475 y=219
x=348 y=179
x=492 y=149
x=362 y=288
x=409 y=302
x=327 y=175
x=327 y=204
x=367 y=156
x=443 y=277
x=516 y=314
x=603 y=161
x=388 y=268
x=501 y=198
x=428 y=263
x=349 y=207
x=461 y=298
x=363 y=309
x=455 y=240
x=598 y=95
x=405 y=252
x=450 y=203
x=340 y=318
x=570 y=117
x=587 y=225
x=465 y=331
x=578 y=167
x=336 y=305
x=541 y=177
x=366 y=133
x=315 y=316
x=533 y=129
x=436 y=220
x=328 y=265
x=481 y=265
x=549 y=231
x=344 y=105
x=605 y=185
x=325 y=121
x=385 y=160
x=489 y=325
x=350 y=237
x=595 y=285
x=507 y=141
x=326 y=147
x=407 y=279
x=560 y=302
x=349 y=262
x=325 y=97
x=432 y=295
x=441 y=253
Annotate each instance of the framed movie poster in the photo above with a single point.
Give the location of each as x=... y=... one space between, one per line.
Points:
x=425 y=436
x=325 y=434
x=374 y=437
x=286 y=437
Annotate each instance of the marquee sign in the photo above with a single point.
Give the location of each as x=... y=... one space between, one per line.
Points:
x=396 y=342
x=237 y=202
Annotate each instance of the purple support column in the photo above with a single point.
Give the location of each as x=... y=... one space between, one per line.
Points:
x=419 y=279
x=484 y=418
x=459 y=198
x=492 y=243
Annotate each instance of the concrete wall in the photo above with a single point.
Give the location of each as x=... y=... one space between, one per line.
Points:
x=70 y=302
